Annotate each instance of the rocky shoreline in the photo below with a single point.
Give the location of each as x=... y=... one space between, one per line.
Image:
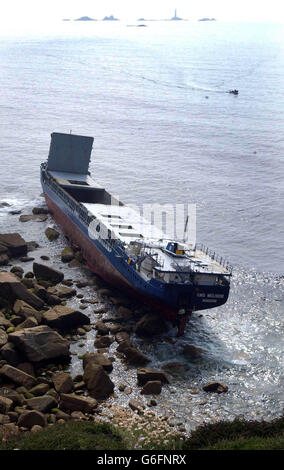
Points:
x=38 y=328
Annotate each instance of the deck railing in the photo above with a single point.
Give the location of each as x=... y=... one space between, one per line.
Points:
x=214 y=256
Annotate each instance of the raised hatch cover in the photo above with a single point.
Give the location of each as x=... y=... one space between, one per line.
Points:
x=69 y=153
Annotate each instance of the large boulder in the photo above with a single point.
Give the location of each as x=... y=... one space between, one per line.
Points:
x=17 y=376
x=101 y=328
x=30 y=322
x=30 y=418
x=122 y=336
x=63 y=292
x=15 y=397
x=10 y=354
x=98 y=358
x=41 y=271
x=4 y=322
x=25 y=310
x=4 y=259
x=150 y=324
x=76 y=403
x=153 y=387
x=145 y=375
x=62 y=382
x=14 y=243
x=97 y=380
x=63 y=318
x=133 y=355
x=103 y=342
x=11 y=289
x=5 y=404
x=43 y=404
x=40 y=343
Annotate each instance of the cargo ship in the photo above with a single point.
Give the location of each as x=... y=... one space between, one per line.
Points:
x=173 y=277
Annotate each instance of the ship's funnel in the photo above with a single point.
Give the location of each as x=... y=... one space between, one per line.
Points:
x=69 y=153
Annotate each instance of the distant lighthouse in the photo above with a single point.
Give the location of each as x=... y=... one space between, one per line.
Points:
x=176 y=17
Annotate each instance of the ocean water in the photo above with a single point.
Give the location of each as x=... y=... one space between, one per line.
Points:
x=166 y=131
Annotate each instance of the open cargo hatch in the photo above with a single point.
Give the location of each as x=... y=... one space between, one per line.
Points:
x=69 y=153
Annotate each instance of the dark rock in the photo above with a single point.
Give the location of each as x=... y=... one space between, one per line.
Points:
x=26 y=367
x=101 y=328
x=45 y=258
x=136 y=406
x=17 y=398
x=4 y=322
x=62 y=317
x=30 y=418
x=10 y=354
x=97 y=380
x=40 y=343
x=17 y=376
x=30 y=322
x=145 y=375
x=67 y=254
x=153 y=387
x=26 y=259
x=25 y=310
x=174 y=368
x=98 y=358
x=40 y=210
x=29 y=283
x=133 y=355
x=103 y=342
x=29 y=275
x=192 y=351
x=42 y=271
x=36 y=218
x=15 y=212
x=150 y=324
x=4 y=259
x=122 y=336
x=43 y=404
x=15 y=244
x=215 y=387
x=32 y=246
x=40 y=389
x=53 y=300
x=51 y=234
x=18 y=270
x=3 y=338
x=12 y=288
x=63 y=382
x=61 y=415
x=40 y=291
x=5 y=404
x=63 y=292
x=76 y=403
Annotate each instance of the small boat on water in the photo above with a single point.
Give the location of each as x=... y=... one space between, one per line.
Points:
x=173 y=277
x=234 y=92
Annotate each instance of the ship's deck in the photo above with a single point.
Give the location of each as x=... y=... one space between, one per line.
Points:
x=126 y=223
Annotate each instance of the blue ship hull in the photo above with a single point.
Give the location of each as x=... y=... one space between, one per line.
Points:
x=111 y=263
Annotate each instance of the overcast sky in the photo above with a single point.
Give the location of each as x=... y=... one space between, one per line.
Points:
x=245 y=10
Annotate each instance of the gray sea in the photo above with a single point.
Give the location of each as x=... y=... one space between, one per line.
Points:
x=166 y=131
